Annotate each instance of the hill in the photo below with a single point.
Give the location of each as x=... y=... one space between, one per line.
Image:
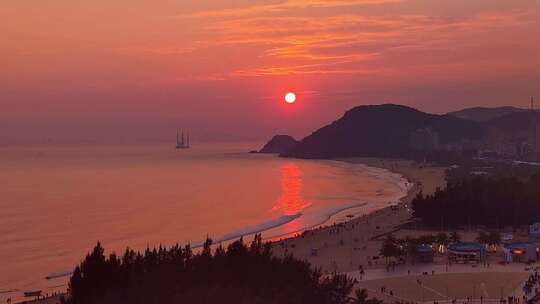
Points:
x=481 y=114
x=381 y=131
x=518 y=125
x=279 y=144
x=514 y=122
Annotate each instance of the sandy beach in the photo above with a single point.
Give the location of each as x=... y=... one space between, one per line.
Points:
x=346 y=246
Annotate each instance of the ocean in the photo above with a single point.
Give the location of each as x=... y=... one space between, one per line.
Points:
x=58 y=201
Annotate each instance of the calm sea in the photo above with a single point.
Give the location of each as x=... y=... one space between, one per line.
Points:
x=57 y=201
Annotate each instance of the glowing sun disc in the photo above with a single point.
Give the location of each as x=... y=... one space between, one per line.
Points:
x=290 y=97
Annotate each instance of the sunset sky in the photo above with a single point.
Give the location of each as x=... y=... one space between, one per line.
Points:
x=121 y=70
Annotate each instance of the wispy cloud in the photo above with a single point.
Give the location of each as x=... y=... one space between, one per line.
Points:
x=287 y=6
x=321 y=68
x=337 y=39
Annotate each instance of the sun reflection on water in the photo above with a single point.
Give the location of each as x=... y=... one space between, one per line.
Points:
x=291 y=201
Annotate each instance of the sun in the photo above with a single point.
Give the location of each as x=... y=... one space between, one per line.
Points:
x=290 y=97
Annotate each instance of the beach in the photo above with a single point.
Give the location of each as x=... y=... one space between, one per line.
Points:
x=347 y=246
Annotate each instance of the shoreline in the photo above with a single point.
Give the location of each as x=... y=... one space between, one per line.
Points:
x=350 y=244
x=409 y=187
x=331 y=218
x=413 y=184
x=353 y=210
x=416 y=181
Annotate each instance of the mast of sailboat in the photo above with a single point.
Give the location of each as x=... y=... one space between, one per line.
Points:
x=183 y=141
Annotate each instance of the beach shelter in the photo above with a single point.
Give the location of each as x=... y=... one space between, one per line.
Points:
x=521 y=252
x=425 y=253
x=466 y=252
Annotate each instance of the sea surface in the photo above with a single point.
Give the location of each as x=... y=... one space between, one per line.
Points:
x=57 y=201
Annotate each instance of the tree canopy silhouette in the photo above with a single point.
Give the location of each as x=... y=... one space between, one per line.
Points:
x=482 y=201
x=237 y=274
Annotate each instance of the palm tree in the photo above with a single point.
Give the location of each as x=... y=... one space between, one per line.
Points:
x=410 y=247
x=361 y=297
x=442 y=240
x=494 y=239
x=390 y=248
x=483 y=238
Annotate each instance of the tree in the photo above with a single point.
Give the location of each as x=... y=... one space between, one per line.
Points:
x=494 y=238
x=361 y=297
x=390 y=248
x=76 y=283
x=483 y=238
x=207 y=247
x=410 y=247
x=455 y=237
x=236 y=274
x=491 y=202
x=442 y=239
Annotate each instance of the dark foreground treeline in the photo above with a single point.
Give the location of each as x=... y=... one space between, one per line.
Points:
x=237 y=274
x=482 y=201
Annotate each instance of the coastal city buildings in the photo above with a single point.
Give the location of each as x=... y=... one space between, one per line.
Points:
x=425 y=139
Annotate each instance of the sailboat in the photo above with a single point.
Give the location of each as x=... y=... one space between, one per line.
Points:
x=181 y=143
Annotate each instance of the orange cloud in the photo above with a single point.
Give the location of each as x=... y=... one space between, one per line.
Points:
x=321 y=68
x=287 y=6
x=295 y=37
x=342 y=38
